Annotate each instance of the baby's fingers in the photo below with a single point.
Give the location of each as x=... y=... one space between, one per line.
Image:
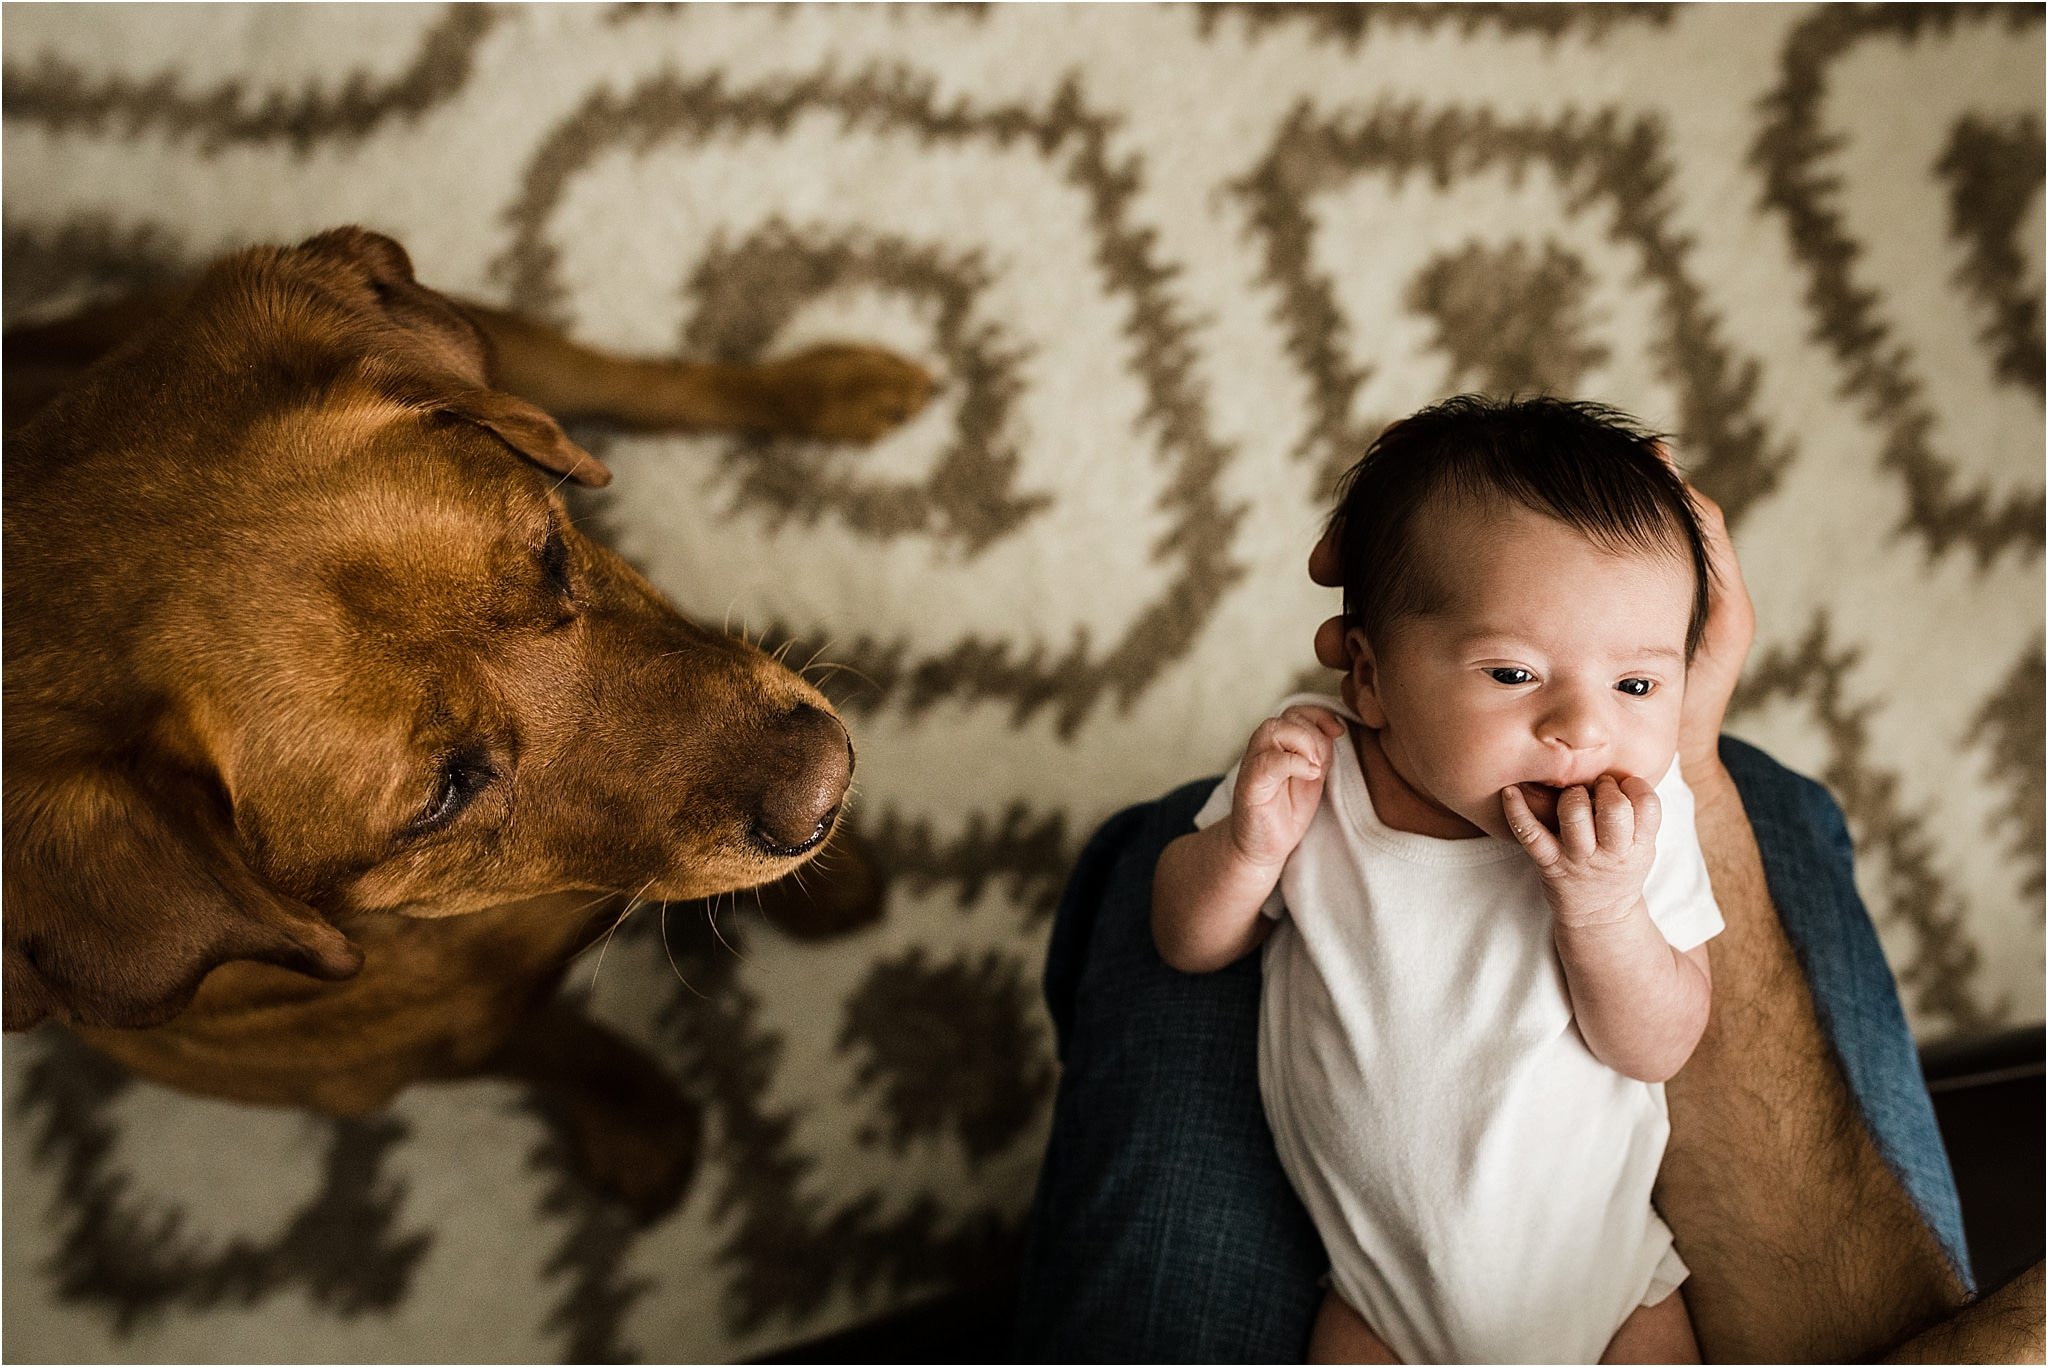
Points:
x=1297 y=734
x=1528 y=831
x=1301 y=731
x=1649 y=808
x=1268 y=768
x=1575 y=822
x=1614 y=816
x=1284 y=733
x=1321 y=719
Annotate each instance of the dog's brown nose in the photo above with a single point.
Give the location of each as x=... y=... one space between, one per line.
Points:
x=808 y=759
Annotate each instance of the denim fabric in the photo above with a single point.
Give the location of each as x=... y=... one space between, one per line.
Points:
x=1164 y=1229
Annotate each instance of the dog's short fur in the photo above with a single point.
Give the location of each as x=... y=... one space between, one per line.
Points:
x=326 y=731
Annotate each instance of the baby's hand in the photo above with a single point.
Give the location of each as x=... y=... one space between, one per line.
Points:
x=1595 y=866
x=1280 y=781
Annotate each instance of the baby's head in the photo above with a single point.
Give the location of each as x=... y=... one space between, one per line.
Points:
x=1524 y=584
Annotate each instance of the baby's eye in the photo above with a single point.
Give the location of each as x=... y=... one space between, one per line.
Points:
x=1638 y=688
x=1511 y=676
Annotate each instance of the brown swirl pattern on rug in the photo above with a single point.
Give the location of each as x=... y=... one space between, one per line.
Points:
x=1075 y=137
x=1603 y=166
x=65 y=96
x=748 y=295
x=1791 y=150
x=1166 y=312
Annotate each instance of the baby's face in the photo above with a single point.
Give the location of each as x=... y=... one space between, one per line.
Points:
x=1553 y=663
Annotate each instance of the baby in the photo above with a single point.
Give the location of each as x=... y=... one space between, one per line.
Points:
x=1486 y=901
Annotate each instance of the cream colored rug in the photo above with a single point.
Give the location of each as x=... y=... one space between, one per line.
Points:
x=1175 y=266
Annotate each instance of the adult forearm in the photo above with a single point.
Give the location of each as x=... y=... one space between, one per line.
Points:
x=2005 y=1326
x=1802 y=1243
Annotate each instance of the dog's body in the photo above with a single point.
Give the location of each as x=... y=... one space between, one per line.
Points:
x=328 y=739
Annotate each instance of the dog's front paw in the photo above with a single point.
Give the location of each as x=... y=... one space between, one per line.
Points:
x=640 y=1148
x=844 y=392
x=630 y=1131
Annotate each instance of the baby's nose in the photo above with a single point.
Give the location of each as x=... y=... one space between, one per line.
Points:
x=1575 y=728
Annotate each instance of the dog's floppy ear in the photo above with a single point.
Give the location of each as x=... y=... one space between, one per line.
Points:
x=374 y=275
x=447 y=358
x=379 y=256
x=122 y=894
x=527 y=430
x=522 y=426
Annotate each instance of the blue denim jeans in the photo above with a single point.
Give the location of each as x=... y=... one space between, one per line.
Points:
x=1164 y=1229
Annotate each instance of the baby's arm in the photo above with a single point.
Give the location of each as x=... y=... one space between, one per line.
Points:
x=1209 y=886
x=1640 y=1004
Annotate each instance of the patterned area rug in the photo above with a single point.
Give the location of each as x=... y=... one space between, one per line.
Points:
x=1175 y=267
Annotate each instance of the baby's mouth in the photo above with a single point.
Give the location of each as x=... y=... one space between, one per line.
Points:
x=1542 y=800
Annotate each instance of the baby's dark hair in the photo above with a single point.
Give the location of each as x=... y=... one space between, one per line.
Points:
x=1587 y=465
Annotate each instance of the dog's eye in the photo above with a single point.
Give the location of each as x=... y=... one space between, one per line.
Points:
x=463 y=775
x=554 y=559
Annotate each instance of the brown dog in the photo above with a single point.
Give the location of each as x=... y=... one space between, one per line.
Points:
x=325 y=729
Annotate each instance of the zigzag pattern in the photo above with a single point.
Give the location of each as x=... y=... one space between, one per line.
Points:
x=1174 y=267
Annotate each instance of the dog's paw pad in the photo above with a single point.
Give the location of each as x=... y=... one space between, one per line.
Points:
x=848 y=393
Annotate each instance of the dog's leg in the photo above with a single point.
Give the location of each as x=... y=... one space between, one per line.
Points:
x=41 y=358
x=83 y=337
x=631 y=1130
x=845 y=393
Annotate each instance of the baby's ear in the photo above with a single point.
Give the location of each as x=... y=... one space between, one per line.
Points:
x=1361 y=681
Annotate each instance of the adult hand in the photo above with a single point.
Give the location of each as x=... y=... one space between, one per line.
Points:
x=1324 y=569
x=1724 y=645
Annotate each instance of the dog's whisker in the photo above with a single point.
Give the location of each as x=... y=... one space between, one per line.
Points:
x=605 y=947
x=831 y=668
x=711 y=915
x=829 y=642
x=601 y=897
x=632 y=903
x=734 y=902
x=673 y=967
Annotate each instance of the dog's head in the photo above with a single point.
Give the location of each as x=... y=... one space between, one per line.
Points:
x=299 y=630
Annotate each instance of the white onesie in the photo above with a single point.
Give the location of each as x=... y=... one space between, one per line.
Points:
x=1480 y=1180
